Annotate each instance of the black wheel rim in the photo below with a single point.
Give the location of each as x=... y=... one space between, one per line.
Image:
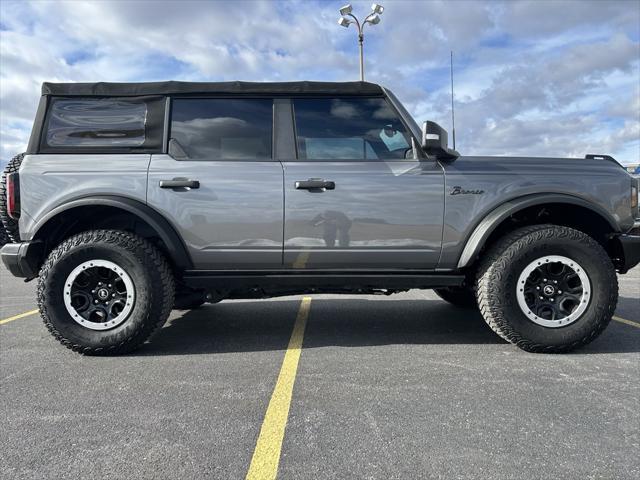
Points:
x=553 y=291
x=99 y=294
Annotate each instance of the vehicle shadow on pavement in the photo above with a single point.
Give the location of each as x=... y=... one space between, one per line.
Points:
x=245 y=326
x=628 y=308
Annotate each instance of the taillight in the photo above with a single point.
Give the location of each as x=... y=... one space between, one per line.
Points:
x=13 y=195
x=635 y=196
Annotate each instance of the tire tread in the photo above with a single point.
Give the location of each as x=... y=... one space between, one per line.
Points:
x=495 y=265
x=153 y=258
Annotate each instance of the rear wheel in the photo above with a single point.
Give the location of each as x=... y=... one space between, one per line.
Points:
x=547 y=288
x=105 y=292
x=458 y=296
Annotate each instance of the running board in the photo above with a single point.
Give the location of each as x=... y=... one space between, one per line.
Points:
x=306 y=281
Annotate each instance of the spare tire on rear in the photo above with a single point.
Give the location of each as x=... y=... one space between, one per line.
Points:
x=3 y=236
x=9 y=225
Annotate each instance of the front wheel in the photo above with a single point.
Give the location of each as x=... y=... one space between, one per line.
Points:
x=547 y=288
x=105 y=292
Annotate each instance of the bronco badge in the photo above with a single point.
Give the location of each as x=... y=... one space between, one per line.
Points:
x=458 y=190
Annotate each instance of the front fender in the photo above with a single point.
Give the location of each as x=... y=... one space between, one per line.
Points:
x=479 y=235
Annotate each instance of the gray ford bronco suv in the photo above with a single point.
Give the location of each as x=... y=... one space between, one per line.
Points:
x=133 y=199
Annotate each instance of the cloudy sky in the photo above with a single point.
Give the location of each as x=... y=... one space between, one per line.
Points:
x=541 y=78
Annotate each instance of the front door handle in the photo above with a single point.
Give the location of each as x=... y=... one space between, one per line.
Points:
x=315 y=184
x=179 y=183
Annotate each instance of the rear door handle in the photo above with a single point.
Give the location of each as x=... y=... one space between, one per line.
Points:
x=179 y=183
x=315 y=184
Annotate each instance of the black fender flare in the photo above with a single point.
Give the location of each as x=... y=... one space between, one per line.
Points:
x=490 y=222
x=175 y=246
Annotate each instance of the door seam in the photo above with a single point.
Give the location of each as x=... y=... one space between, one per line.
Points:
x=284 y=193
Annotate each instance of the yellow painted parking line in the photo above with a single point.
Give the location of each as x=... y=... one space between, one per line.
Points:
x=266 y=456
x=626 y=322
x=302 y=259
x=16 y=317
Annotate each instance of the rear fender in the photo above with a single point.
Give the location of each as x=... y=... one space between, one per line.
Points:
x=165 y=231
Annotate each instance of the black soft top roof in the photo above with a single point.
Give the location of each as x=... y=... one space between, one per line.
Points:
x=103 y=89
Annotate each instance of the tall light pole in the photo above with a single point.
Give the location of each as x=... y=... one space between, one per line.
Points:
x=373 y=18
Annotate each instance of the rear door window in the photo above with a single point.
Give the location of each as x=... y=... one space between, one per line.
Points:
x=96 y=122
x=223 y=128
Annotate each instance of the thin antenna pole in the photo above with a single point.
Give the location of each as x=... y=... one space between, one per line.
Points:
x=453 y=115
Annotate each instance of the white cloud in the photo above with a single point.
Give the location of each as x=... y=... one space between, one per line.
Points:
x=533 y=78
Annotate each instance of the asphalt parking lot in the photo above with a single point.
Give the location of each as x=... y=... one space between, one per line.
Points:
x=402 y=387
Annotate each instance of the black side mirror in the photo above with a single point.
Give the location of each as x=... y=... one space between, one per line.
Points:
x=435 y=142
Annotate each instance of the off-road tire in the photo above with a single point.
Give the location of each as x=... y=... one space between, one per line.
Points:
x=9 y=224
x=463 y=297
x=152 y=279
x=498 y=275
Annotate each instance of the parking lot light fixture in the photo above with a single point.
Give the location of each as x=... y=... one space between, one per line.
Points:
x=373 y=19
x=346 y=10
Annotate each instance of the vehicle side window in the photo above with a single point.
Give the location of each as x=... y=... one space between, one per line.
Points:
x=223 y=129
x=349 y=129
x=96 y=122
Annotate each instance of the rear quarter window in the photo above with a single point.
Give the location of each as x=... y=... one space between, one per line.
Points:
x=104 y=122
